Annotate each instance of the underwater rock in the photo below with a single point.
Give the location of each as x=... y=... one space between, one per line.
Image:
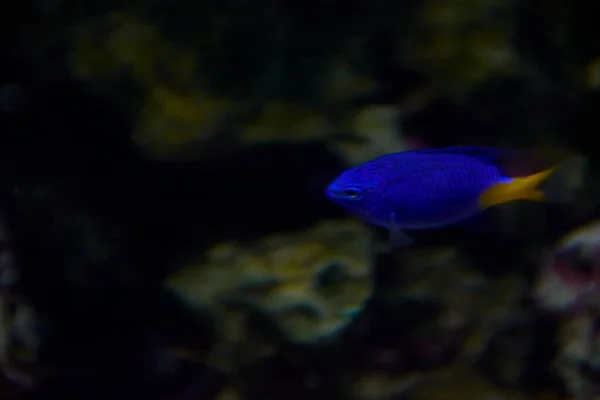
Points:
x=434 y=311
x=474 y=311
x=379 y=386
x=20 y=337
x=464 y=385
x=570 y=273
x=579 y=354
x=568 y=284
x=444 y=384
x=377 y=132
x=308 y=286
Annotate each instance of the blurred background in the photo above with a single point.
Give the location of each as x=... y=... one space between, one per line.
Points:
x=164 y=231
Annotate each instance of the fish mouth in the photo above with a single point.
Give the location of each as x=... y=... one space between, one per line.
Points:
x=335 y=193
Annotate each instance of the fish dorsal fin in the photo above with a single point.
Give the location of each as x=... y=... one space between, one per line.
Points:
x=486 y=154
x=512 y=163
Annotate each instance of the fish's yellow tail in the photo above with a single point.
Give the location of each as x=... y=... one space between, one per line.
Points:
x=557 y=184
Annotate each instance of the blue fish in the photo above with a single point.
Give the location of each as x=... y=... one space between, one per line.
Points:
x=431 y=188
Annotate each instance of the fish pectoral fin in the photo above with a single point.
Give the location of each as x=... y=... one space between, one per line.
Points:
x=397 y=237
x=525 y=188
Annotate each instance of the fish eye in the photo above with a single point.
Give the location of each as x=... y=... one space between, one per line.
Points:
x=353 y=193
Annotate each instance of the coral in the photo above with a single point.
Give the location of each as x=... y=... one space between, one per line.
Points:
x=461 y=44
x=228 y=394
x=286 y=120
x=122 y=42
x=169 y=121
x=343 y=82
x=173 y=107
x=377 y=129
x=177 y=102
x=310 y=284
